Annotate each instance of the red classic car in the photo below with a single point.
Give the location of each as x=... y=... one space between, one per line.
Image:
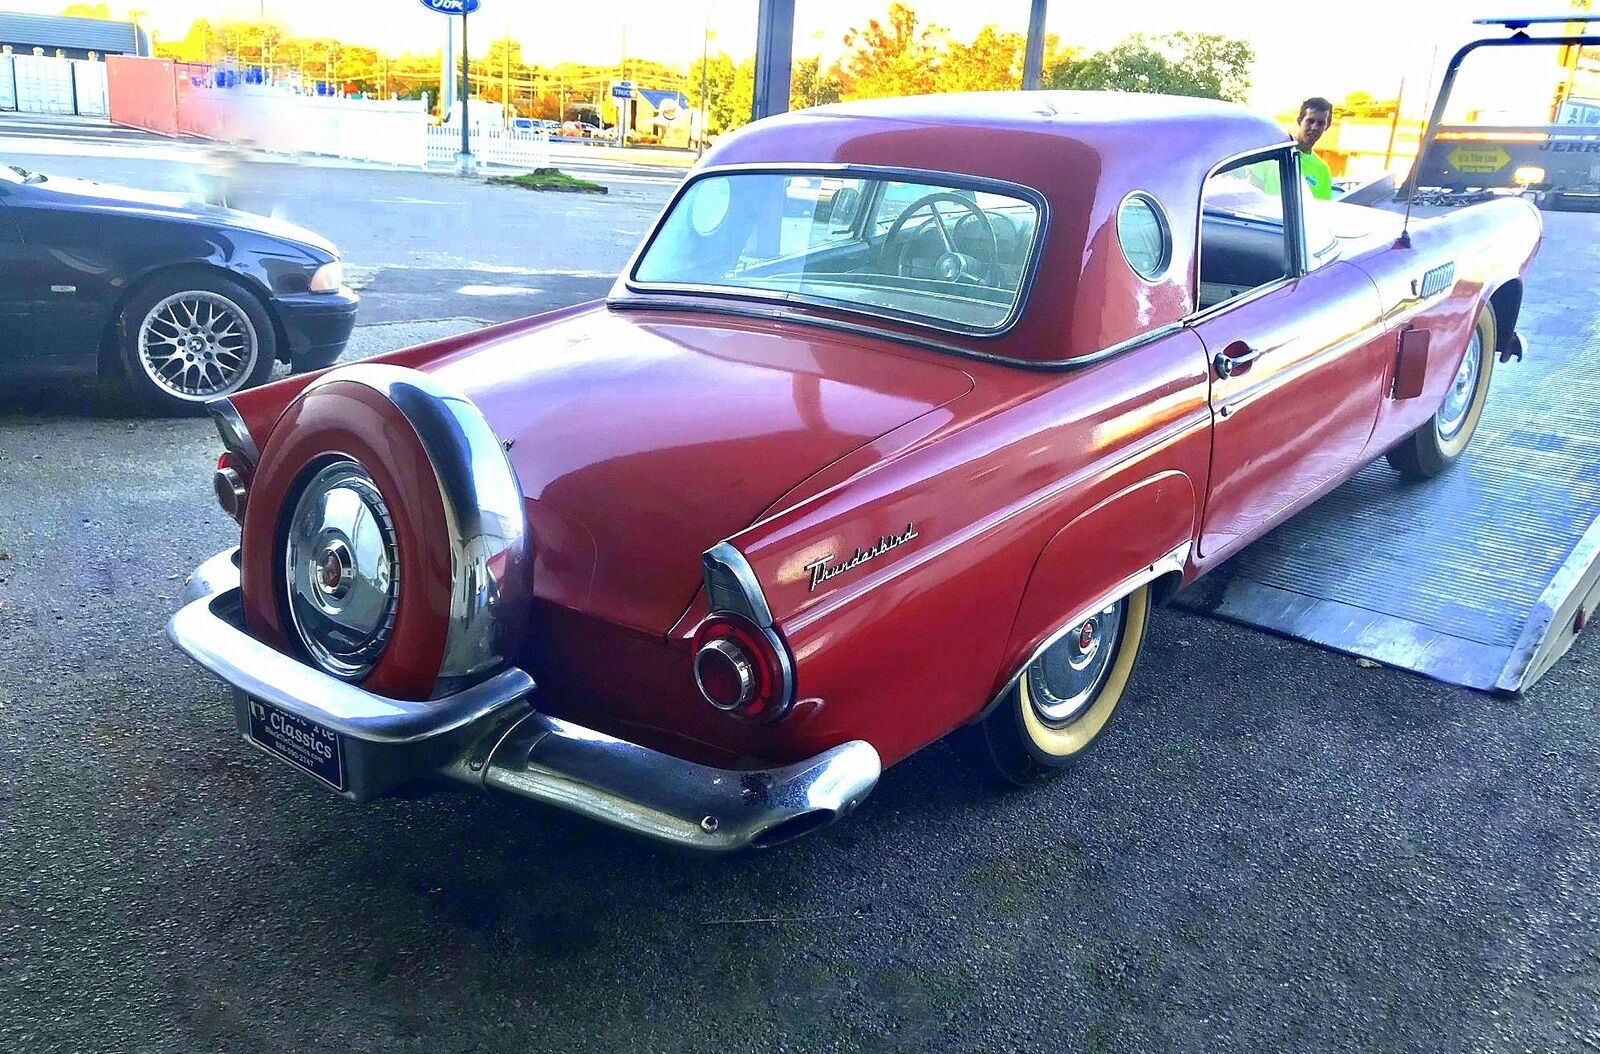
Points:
x=894 y=428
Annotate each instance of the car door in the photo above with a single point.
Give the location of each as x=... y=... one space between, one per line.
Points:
x=14 y=297
x=58 y=264
x=1296 y=343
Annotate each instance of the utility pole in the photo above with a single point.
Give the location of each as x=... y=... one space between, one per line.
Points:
x=622 y=104
x=705 y=52
x=1033 y=54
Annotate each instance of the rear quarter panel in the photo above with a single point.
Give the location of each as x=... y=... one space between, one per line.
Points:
x=1044 y=490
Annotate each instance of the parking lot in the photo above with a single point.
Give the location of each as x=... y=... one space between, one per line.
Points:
x=1277 y=849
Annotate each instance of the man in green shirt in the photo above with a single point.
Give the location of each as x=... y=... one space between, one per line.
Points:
x=1316 y=114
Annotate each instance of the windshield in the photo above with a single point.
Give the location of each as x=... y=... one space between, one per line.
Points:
x=922 y=250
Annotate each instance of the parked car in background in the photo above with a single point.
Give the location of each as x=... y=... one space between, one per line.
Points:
x=179 y=302
x=874 y=442
x=532 y=126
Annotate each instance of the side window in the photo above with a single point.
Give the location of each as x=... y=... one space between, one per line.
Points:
x=1244 y=241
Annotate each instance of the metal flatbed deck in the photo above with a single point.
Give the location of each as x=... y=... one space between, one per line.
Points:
x=1476 y=577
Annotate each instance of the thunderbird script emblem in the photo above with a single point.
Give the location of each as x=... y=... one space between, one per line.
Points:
x=824 y=569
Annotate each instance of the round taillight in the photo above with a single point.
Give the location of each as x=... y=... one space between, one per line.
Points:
x=725 y=674
x=741 y=668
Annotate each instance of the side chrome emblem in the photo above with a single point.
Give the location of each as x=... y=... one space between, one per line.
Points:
x=824 y=569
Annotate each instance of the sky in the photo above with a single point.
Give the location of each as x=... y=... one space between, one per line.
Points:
x=1301 y=50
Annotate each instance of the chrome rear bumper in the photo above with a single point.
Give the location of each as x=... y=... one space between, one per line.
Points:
x=490 y=736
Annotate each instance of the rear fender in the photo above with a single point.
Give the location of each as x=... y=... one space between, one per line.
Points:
x=1134 y=537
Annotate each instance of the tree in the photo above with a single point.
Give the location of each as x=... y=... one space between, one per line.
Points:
x=992 y=62
x=1201 y=64
x=86 y=11
x=810 y=85
x=897 y=58
x=730 y=91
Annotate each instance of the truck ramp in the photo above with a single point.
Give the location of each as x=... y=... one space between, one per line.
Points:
x=1484 y=576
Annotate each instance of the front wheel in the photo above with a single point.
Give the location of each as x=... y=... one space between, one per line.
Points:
x=187 y=338
x=1063 y=699
x=1438 y=444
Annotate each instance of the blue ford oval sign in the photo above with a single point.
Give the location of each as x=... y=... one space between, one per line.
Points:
x=451 y=7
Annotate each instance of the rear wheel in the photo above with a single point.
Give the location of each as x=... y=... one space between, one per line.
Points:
x=1437 y=445
x=190 y=337
x=1063 y=699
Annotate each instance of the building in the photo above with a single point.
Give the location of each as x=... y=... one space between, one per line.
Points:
x=57 y=36
x=664 y=116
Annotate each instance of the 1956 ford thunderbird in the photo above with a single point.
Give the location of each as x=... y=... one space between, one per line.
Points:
x=895 y=427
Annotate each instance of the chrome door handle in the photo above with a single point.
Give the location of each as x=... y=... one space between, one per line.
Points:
x=1229 y=359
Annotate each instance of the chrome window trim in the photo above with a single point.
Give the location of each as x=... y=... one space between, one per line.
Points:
x=1295 y=252
x=231 y=427
x=485 y=523
x=1162 y=220
x=719 y=306
x=1175 y=561
x=951 y=180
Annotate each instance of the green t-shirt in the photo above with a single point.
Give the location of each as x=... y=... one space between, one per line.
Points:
x=1315 y=171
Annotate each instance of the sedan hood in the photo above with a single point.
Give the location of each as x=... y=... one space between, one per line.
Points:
x=85 y=193
x=641 y=438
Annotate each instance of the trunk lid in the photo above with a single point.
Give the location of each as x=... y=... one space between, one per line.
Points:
x=643 y=438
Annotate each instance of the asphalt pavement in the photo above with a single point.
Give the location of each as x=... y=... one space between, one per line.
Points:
x=416 y=245
x=1274 y=849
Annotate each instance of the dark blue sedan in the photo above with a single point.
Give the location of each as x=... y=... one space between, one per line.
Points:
x=180 y=302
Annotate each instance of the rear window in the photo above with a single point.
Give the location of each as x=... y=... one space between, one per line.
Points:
x=946 y=254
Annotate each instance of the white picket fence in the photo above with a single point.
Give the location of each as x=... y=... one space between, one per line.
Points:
x=513 y=149
x=45 y=84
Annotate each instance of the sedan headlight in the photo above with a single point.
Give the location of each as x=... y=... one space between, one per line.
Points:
x=328 y=278
x=341 y=571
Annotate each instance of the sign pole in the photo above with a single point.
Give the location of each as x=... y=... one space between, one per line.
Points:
x=466 y=164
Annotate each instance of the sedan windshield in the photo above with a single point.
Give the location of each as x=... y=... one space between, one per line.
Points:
x=923 y=250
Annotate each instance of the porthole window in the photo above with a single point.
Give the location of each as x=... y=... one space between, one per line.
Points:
x=1145 y=238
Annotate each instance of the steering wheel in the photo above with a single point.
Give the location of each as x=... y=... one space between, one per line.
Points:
x=952 y=264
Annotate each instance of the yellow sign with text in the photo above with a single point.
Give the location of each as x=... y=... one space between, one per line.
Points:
x=1478 y=159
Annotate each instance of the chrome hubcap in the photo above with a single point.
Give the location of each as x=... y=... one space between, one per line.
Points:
x=1458 y=400
x=1069 y=675
x=340 y=566
x=197 y=345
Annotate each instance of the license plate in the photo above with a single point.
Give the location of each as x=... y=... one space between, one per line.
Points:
x=304 y=744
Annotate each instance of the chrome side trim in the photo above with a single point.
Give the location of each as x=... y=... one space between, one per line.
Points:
x=486 y=527
x=231 y=427
x=1173 y=561
x=208 y=631
x=659 y=796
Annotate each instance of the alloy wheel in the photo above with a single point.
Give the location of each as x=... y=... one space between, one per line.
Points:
x=197 y=345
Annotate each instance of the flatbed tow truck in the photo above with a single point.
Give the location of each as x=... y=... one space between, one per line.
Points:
x=1486 y=575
